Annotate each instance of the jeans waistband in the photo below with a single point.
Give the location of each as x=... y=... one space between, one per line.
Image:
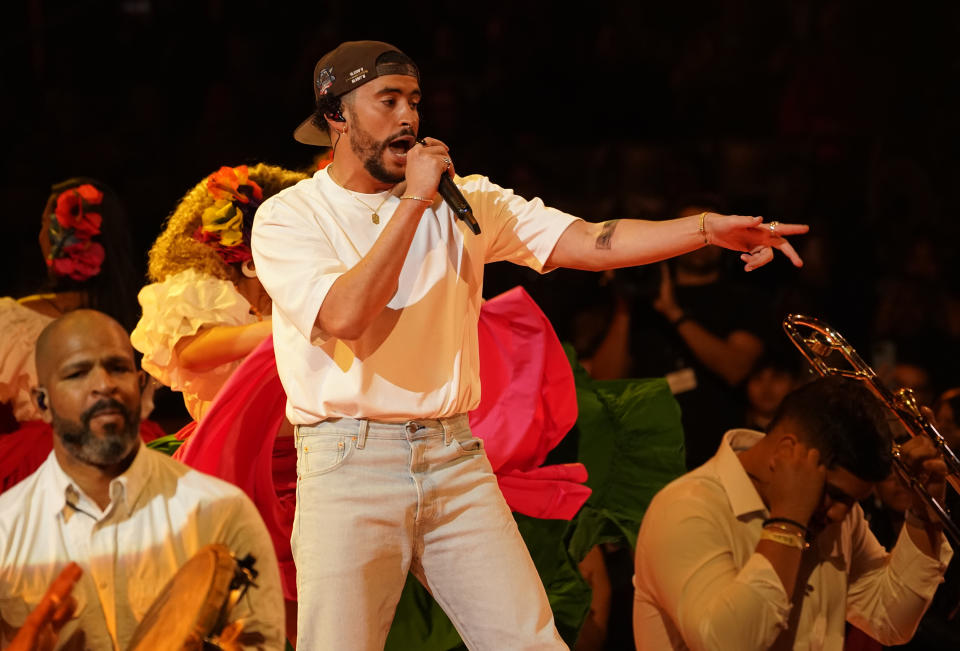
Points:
x=417 y=428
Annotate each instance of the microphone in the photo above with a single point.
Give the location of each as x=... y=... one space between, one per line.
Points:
x=454 y=198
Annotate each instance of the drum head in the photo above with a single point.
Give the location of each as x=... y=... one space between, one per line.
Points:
x=188 y=607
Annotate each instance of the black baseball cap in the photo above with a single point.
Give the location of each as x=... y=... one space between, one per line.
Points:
x=349 y=66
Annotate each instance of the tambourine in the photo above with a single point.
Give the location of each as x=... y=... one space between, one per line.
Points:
x=195 y=604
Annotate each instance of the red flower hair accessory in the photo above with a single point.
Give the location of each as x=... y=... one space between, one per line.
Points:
x=225 y=226
x=74 y=222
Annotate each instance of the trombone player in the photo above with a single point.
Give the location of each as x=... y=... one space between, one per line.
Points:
x=766 y=547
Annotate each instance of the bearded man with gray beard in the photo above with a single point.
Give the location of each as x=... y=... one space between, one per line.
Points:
x=119 y=518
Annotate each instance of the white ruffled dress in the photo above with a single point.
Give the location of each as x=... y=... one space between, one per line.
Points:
x=179 y=307
x=18 y=372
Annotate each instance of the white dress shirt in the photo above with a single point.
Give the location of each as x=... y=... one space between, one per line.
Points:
x=161 y=513
x=701 y=585
x=420 y=356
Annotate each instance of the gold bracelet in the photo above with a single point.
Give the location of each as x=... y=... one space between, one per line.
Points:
x=703 y=227
x=785 y=528
x=790 y=540
x=416 y=198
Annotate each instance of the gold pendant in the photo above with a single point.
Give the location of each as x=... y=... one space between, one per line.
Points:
x=376 y=218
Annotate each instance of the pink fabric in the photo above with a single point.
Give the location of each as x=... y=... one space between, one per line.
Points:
x=528 y=405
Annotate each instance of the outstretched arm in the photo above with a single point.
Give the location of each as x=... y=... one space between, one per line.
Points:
x=630 y=242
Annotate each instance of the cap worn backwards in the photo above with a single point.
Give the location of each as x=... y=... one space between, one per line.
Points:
x=349 y=66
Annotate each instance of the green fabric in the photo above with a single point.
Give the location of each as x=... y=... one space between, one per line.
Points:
x=630 y=439
x=167 y=444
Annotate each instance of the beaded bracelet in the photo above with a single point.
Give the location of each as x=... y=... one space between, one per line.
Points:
x=416 y=198
x=703 y=227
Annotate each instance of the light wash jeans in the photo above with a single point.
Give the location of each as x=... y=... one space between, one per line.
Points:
x=375 y=500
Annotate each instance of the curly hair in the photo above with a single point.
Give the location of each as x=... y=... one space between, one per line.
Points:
x=176 y=249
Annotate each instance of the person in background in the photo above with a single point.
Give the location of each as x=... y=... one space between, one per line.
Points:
x=773 y=377
x=85 y=244
x=205 y=309
x=204 y=313
x=127 y=515
x=766 y=545
x=704 y=333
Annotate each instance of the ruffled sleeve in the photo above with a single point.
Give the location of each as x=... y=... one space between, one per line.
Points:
x=18 y=373
x=179 y=307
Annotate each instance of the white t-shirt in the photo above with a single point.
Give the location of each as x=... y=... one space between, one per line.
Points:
x=419 y=358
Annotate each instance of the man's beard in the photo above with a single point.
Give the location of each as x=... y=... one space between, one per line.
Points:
x=371 y=152
x=105 y=450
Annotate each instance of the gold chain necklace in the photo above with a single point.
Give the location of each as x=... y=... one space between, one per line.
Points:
x=374 y=212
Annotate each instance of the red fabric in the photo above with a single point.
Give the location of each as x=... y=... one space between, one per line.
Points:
x=528 y=405
x=23 y=450
x=235 y=441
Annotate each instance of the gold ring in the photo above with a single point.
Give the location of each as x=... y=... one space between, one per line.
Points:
x=773 y=228
x=446 y=160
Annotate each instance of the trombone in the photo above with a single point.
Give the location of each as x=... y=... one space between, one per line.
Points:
x=830 y=354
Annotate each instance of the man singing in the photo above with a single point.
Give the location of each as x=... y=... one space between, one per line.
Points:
x=376 y=288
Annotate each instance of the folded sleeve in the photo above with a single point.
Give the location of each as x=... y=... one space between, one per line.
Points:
x=179 y=307
x=518 y=230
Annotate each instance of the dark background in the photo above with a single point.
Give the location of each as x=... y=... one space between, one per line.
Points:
x=842 y=115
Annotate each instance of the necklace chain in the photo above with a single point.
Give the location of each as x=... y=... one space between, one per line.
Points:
x=374 y=212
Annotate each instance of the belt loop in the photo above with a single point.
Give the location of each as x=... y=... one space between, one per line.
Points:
x=296 y=436
x=447 y=431
x=362 y=434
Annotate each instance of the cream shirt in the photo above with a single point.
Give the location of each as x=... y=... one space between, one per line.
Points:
x=18 y=374
x=700 y=585
x=161 y=512
x=419 y=358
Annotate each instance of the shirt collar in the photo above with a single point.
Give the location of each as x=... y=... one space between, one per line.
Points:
x=743 y=495
x=124 y=489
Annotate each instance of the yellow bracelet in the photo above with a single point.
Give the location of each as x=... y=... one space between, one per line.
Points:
x=790 y=540
x=416 y=198
x=703 y=227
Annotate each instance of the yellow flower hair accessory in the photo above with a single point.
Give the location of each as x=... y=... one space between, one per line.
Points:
x=225 y=225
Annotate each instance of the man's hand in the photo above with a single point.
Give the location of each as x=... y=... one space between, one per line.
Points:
x=796 y=485
x=42 y=628
x=750 y=234
x=426 y=162
x=666 y=302
x=924 y=461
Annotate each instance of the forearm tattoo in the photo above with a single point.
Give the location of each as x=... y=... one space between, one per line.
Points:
x=605 y=238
